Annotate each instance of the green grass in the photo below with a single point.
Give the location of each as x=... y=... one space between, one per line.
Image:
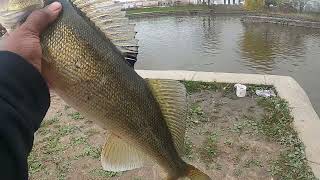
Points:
x=188 y=148
x=48 y=122
x=103 y=173
x=209 y=149
x=197 y=86
x=167 y=9
x=76 y=116
x=196 y=110
x=277 y=125
x=34 y=164
x=67 y=130
x=252 y=163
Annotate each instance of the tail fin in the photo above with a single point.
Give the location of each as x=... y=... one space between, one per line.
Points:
x=195 y=174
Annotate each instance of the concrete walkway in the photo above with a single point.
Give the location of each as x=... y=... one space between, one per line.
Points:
x=306 y=120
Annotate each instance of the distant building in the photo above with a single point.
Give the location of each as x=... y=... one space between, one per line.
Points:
x=127 y=4
x=228 y=2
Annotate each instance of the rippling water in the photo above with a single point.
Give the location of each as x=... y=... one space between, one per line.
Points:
x=225 y=44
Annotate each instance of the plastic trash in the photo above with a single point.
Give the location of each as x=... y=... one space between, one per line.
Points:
x=241 y=90
x=265 y=93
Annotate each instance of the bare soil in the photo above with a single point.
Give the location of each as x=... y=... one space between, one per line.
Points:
x=221 y=140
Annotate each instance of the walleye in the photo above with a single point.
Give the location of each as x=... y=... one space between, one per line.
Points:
x=88 y=53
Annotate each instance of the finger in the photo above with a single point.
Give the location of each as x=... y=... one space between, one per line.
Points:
x=39 y=20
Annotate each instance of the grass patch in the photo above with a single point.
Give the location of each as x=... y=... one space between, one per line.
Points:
x=67 y=130
x=48 y=122
x=196 y=110
x=78 y=140
x=167 y=9
x=226 y=88
x=252 y=163
x=103 y=173
x=63 y=168
x=76 y=116
x=90 y=151
x=209 y=149
x=277 y=125
x=34 y=164
x=197 y=86
x=188 y=148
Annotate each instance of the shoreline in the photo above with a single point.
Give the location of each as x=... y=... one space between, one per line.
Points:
x=284 y=21
x=306 y=120
x=246 y=16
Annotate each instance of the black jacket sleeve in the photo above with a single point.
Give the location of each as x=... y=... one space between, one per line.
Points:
x=24 y=101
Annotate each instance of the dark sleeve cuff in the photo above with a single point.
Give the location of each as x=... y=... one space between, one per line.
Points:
x=23 y=88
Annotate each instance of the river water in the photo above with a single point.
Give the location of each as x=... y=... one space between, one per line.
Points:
x=225 y=44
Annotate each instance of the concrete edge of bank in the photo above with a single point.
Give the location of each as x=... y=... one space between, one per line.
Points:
x=306 y=120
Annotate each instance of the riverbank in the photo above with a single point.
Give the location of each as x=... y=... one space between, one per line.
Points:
x=226 y=137
x=299 y=20
x=185 y=10
x=292 y=19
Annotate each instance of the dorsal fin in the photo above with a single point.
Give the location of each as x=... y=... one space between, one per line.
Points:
x=108 y=17
x=172 y=98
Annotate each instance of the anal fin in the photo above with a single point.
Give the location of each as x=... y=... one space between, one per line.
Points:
x=117 y=155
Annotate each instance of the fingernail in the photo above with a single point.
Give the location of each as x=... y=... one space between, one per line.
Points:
x=56 y=6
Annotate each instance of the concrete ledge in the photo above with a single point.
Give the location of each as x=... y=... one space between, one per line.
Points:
x=281 y=20
x=306 y=120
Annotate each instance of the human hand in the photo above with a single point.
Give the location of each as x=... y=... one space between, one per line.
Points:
x=25 y=40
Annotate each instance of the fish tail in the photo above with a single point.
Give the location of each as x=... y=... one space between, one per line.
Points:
x=195 y=174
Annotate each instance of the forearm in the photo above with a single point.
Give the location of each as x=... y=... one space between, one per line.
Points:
x=24 y=101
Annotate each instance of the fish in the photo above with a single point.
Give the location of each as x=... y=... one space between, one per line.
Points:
x=87 y=59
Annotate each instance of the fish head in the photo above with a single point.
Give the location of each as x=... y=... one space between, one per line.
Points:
x=12 y=12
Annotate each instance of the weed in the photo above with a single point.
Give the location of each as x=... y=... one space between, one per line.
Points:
x=188 y=148
x=34 y=164
x=209 y=150
x=277 y=125
x=103 y=173
x=49 y=122
x=196 y=110
x=66 y=130
x=76 y=116
x=197 y=86
x=252 y=163
x=228 y=142
x=66 y=107
x=78 y=140
x=90 y=151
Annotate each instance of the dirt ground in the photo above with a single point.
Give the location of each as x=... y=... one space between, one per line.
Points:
x=220 y=140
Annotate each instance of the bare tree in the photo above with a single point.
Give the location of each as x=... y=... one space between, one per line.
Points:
x=300 y=4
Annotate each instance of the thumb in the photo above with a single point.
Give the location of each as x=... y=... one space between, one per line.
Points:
x=39 y=20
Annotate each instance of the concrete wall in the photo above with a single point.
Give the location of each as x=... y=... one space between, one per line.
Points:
x=281 y=21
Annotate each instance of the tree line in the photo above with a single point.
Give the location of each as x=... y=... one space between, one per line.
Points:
x=288 y=5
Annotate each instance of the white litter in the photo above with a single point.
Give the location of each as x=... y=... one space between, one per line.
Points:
x=241 y=90
x=265 y=93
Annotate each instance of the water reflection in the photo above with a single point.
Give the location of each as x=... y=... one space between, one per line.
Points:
x=211 y=32
x=225 y=44
x=264 y=45
x=257 y=47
